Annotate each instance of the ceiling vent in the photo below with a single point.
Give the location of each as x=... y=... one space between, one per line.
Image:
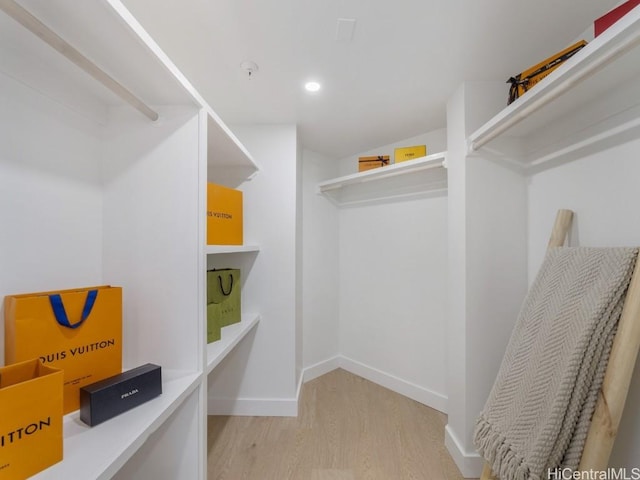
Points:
x=345 y=29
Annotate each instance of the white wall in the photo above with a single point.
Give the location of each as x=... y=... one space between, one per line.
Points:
x=151 y=237
x=456 y=281
x=49 y=179
x=602 y=190
x=392 y=270
x=259 y=376
x=496 y=273
x=46 y=186
x=320 y=260
x=374 y=289
x=487 y=266
x=392 y=293
x=299 y=266
x=496 y=229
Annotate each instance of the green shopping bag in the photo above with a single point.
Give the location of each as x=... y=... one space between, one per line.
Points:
x=223 y=300
x=213 y=323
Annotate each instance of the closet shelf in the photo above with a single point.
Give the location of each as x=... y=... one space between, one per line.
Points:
x=420 y=177
x=587 y=104
x=231 y=336
x=219 y=249
x=128 y=68
x=99 y=452
x=31 y=23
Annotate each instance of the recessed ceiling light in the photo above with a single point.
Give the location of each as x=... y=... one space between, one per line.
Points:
x=312 y=86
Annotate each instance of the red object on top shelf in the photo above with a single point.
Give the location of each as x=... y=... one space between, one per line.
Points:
x=608 y=19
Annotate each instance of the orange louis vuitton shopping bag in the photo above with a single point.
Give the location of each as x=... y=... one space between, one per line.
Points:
x=31 y=419
x=78 y=331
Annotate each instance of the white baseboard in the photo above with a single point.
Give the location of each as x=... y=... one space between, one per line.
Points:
x=253 y=407
x=398 y=385
x=469 y=464
x=289 y=407
x=320 y=368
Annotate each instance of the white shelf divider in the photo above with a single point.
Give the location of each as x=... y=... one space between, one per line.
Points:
x=231 y=336
x=218 y=249
x=99 y=452
x=401 y=180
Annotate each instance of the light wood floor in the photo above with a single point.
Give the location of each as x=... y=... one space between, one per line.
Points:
x=347 y=429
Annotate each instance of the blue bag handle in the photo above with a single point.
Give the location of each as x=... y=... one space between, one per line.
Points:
x=61 y=314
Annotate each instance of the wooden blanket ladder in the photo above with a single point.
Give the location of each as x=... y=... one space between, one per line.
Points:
x=613 y=394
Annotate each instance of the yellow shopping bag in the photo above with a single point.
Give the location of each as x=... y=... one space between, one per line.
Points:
x=31 y=419
x=78 y=331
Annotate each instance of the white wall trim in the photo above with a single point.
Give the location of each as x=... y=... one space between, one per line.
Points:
x=288 y=407
x=299 y=389
x=320 y=368
x=258 y=407
x=393 y=383
x=469 y=464
x=398 y=385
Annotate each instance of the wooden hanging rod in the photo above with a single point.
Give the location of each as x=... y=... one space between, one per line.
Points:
x=31 y=23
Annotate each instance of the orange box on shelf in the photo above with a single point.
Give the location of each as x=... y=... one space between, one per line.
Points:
x=409 y=153
x=369 y=163
x=224 y=215
x=527 y=79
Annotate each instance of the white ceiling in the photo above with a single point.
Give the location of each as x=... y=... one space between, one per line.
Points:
x=391 y=82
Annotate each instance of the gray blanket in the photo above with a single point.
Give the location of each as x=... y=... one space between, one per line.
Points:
x=538 y=413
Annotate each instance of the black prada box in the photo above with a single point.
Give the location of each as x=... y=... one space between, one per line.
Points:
x=112 y=396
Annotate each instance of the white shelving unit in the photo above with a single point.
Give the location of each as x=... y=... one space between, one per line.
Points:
x=131 y=429
x=121 y=200
x=231 y=335
x=420 y=177
x=588 y=104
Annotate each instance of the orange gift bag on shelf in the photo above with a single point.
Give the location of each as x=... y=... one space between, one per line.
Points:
x=31 y=419
x=78 y=331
